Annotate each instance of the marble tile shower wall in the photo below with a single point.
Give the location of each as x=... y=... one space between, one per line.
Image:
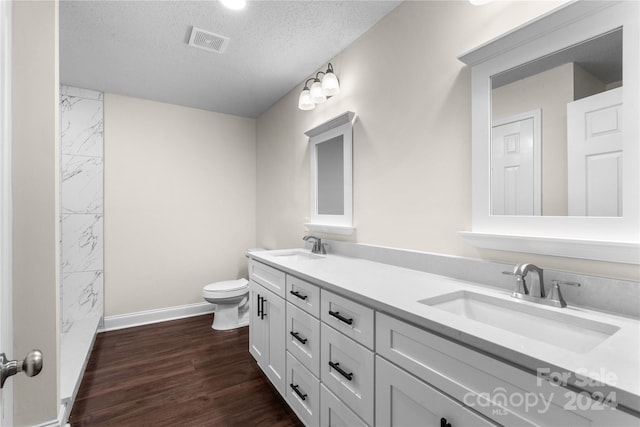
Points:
x=81 y=213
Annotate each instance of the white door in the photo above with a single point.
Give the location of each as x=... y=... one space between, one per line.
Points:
x=594 y=154
x=515 y=165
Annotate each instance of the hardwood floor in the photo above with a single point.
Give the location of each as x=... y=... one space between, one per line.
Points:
x=178 y=373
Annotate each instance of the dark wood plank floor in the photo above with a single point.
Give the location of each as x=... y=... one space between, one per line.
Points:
x=178 y=373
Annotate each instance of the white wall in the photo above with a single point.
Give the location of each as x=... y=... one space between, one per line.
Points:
x=412 y=141
x=36 y=255
x=179 y=202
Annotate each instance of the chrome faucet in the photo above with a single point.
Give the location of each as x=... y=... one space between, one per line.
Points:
x=528 y=293
x=521 y=271
x=318 y=247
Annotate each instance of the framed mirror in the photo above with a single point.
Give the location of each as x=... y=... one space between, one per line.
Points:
x=555 y=135
x=331 y=175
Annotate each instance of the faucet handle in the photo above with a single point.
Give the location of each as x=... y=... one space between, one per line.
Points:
x=555 y=295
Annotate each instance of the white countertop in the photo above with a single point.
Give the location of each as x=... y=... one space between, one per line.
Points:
x=613 y=365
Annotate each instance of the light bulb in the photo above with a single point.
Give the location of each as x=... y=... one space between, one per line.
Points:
x=304 y=102
x=234 y=4
x=330 y=84
x=316 y=92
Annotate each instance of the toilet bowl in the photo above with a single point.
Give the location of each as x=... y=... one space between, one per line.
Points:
x=231 y=298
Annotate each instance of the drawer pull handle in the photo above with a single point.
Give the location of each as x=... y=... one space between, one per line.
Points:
x=340 y=317
x=296 y=336
x=296 y=390
x=298 y=294
x=336 y=366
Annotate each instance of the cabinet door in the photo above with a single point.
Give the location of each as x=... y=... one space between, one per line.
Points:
x=403 y=400
x=275 y=352
x=257 y=325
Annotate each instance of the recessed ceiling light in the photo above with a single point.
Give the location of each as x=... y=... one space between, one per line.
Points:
x=234 y=4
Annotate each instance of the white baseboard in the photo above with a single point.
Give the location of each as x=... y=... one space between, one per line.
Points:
x=121 y=321
x=59 y=422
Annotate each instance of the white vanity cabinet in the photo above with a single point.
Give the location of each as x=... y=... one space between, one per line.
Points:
x=338 y=362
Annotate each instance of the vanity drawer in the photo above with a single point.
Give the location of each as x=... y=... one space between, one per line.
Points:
x=303 y=392
x=303 y=338
x=346 y=368
x=352 y=319
x=404 y=400
x=516 y=396
x=269 y=277
x=334 y=413
x=304 y=295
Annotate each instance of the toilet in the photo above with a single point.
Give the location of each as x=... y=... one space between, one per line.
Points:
x=231 y=298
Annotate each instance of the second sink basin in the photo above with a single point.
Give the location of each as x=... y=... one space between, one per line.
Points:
x=552 y=327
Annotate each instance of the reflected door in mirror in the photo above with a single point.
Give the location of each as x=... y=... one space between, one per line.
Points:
x=515 y=166
x=594 y=148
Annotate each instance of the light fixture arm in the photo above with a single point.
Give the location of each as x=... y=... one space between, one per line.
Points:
x=306 y=84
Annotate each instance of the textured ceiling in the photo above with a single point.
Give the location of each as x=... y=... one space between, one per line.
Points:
x=139 y=48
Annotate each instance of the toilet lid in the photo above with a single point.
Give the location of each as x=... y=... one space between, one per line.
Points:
x=227 y=285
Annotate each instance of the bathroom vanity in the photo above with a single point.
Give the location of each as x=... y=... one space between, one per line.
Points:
x=348 y=341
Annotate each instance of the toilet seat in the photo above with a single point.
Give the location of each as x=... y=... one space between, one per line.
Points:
x=225 y=289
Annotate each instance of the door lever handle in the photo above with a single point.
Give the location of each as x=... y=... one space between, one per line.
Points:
x=31 y=365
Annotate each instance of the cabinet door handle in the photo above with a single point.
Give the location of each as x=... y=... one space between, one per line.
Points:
x=262 y=314
x=340 y=317
x=298 y=294
x=259 y=305
x=296 y=336
x=296 y=390
x=336 y=366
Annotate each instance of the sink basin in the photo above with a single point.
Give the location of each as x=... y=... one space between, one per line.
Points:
x=552 y=327
x=297 y=255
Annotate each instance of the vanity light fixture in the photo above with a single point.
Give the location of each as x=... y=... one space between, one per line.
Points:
x=322 y=87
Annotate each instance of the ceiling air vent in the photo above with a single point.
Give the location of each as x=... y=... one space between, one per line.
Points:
x=208 y=41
